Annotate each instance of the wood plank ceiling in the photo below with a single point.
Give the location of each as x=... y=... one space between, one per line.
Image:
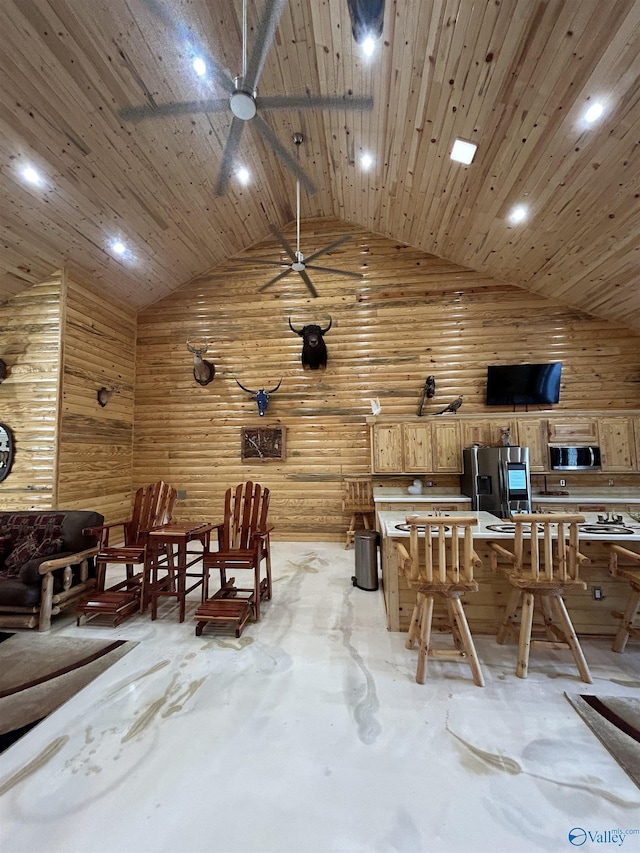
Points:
x=513 y=76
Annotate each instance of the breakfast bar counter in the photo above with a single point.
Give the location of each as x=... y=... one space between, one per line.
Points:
x=484 y=609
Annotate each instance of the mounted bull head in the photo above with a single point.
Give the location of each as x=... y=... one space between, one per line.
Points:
x=203 y=371
x=314 y=349
x=261 y=397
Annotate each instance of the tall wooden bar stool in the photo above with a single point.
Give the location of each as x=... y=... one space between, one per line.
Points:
x=357 y=500
x=542 y=567
x=627 y=573
x=152 y=506
x=440 y=566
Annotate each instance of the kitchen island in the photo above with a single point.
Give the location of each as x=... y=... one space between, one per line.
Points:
x=484 y=609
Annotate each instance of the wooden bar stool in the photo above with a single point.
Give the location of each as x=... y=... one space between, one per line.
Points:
x=543 y=566
x=631 y=575
x=357 y=500
x=448 y=578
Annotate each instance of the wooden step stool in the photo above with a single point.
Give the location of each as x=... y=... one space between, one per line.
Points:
x=226 y=607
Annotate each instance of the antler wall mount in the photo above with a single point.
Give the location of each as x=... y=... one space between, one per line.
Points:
x=203 y=371
x=105 y=394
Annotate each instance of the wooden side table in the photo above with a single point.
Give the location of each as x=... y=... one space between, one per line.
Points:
x=165 y=579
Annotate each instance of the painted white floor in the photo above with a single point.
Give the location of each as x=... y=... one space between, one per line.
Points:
x=309 y=733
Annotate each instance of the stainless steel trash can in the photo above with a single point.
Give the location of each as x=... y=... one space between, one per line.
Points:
x=366 y=550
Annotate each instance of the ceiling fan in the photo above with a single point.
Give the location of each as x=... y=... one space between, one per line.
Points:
x=242 y=98
x=299 y=263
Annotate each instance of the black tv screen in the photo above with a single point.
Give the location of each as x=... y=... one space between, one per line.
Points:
x=523 y=384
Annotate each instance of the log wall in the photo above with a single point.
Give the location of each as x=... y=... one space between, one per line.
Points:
x=96 y=443
x=62 y=342
x=411 y=316
x=30 y=345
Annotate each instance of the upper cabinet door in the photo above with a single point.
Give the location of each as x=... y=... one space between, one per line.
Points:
x=418 y=456
x=445 y=443
x=617 y=444
x=573 y=430
x=532 y=433
x=386 y=451
x=488 y=431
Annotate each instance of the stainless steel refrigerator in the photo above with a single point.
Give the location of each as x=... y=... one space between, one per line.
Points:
x=497 y=479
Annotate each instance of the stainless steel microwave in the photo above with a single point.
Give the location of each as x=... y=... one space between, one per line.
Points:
x=581 y=458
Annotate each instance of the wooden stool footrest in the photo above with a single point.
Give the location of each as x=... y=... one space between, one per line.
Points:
x=223 y=609
x=115 y=604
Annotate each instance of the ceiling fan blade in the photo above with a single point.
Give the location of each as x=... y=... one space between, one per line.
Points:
x=314 y=102
x=259 y=261
x=213 y=105
x=229 y=155
x=273 y=280
x=336 y=272
x=265 y=131
x=307 y=281
x=264 y=39
x=328 y=248
x=280 y=236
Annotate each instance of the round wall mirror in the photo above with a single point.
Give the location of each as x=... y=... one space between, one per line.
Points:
x=6 y=451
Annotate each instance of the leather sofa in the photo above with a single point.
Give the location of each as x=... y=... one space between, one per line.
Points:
x=46 y=564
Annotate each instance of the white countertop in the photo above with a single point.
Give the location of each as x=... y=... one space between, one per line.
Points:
x=429 y=495
x=389 y=520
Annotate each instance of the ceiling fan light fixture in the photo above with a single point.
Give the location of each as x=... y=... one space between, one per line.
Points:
x=369 y=45
x=243 y=105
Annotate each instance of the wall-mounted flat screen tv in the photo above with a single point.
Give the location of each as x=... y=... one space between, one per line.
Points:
x=523 y=384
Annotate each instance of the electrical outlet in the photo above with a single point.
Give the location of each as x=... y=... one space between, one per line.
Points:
x=611 y=482
x=563 y=482
x=181 y=494
x=596 y=592
x=429 y=482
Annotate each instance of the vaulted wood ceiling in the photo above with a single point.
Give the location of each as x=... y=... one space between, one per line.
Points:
x=513 y=76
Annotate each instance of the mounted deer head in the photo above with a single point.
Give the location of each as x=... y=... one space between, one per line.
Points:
x=105 y=394
x=203 y=371
x=261 y=397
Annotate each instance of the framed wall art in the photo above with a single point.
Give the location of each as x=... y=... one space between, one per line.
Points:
x=263 y=444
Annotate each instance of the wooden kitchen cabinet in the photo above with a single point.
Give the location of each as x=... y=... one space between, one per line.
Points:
x=386 y=449
x=532 y=433
x=617 y=444
x=417 y=448
x=488 y=431
x=446 y=449
x=573 y=430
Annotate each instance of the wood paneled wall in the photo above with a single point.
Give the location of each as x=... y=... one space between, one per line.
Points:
x=411 y=316
x=30 y=345
x=96 y=443
x=62 y=342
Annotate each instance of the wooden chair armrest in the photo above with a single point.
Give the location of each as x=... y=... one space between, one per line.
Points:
x=582 y=558
x=100 y=528
x=404 y=558
x=616 y=551
x=502 y=552
x=476 y=559
x=69 y=560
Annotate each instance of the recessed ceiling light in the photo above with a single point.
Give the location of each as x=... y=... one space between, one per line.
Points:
x=118 y=248
x=368 y=46
x=463 y=152
x=243 y=175
x=199 y=66
x=518 y=214
x=31 y=175
x=366 y=161
x=593 y=113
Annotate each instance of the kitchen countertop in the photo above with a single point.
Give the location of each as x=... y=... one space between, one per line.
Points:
x=618 y=497
x=388 y=521
x=429 y=495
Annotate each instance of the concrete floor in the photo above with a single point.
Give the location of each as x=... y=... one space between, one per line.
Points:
x=309 y=733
